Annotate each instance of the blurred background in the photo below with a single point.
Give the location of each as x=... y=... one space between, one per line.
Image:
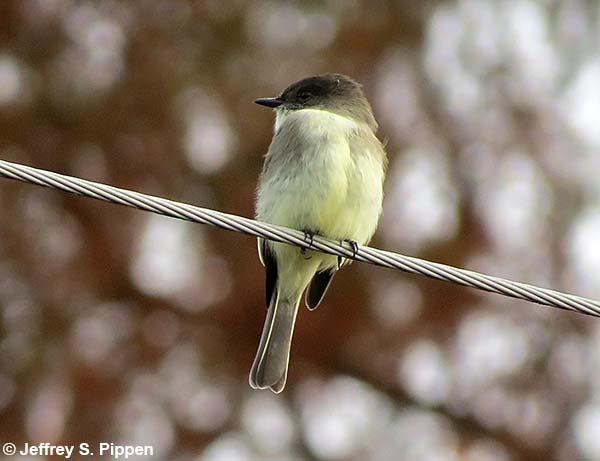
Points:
x=118 y=325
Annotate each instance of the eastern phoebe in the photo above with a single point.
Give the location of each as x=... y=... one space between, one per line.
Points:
x=323 y=174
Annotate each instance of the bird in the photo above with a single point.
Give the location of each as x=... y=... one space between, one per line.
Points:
x=323 y=174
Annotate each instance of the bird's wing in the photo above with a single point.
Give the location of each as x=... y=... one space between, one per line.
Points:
x=318 y=287
x=267 y=258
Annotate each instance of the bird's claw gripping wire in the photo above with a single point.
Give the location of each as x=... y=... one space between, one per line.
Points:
x=308 y=238
x=353 y=245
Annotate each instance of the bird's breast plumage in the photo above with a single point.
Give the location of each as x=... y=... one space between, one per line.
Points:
x=320 y=176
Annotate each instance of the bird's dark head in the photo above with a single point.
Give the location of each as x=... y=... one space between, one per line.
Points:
x=331 y=92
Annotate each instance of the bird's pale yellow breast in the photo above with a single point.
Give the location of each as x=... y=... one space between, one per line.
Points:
x=315 y=194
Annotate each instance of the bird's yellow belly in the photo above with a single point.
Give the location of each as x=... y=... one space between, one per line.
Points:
x=313 y=199
x=326 y=188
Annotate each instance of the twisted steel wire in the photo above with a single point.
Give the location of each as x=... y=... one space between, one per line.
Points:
x=281 y=234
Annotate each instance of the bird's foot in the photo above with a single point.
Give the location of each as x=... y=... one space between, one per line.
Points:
x=354 y=245
x=308 y=238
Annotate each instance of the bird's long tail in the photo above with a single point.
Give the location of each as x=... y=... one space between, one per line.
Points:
x=270 y=366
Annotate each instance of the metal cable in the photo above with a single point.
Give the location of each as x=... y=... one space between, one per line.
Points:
x=280 y=234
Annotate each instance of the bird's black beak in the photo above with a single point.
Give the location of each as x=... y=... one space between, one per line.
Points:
x=269 y=102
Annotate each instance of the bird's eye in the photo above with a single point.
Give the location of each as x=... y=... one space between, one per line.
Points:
x=304 y=95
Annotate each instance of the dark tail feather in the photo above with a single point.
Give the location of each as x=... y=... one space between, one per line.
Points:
x=318 y=287
x=269 y=369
